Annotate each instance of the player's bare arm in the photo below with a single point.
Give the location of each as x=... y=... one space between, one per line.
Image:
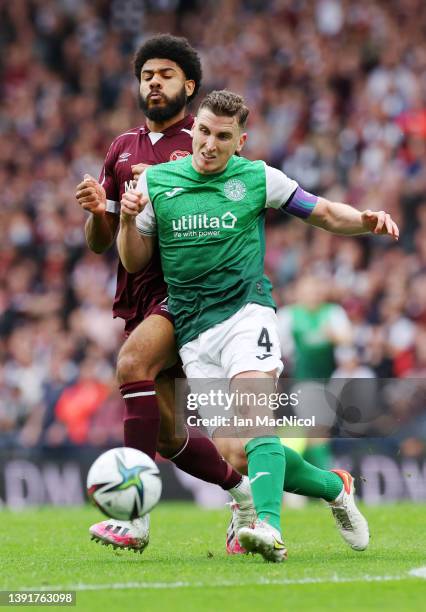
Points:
x=101 y=227
x=135 y=249
x=344 y=219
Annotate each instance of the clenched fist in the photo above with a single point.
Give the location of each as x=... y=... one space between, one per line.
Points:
x=91 y=195
x=132 y=203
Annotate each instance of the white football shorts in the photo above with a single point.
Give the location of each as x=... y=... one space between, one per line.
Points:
x=247 y=341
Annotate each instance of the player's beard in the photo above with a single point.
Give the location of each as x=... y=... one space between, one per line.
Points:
x=169 y=110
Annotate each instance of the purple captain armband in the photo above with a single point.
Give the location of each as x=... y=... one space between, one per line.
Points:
x=300 y=204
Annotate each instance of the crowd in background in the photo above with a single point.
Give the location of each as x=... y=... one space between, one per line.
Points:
x=337 y=92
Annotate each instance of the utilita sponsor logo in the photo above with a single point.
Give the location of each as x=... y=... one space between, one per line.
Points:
x=204 y=222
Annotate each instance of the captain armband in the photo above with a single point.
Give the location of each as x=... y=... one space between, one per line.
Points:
x=300 y=204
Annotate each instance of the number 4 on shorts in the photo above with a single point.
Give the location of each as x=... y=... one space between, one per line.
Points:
x=265 y=343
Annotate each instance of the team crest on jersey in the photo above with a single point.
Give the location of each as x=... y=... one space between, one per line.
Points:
x=178 y=154
x=235 y=190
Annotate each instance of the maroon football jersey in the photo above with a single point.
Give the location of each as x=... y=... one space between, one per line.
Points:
x=137 y=294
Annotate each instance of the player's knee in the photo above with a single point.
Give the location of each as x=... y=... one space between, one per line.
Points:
x=135 y=365
x=127 y=366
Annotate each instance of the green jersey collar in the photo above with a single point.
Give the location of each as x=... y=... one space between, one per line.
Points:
x=206 y=177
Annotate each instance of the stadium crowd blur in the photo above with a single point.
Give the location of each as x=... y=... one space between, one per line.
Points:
x=337 y=92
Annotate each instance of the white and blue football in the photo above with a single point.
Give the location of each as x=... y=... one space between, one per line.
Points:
x=124 y=483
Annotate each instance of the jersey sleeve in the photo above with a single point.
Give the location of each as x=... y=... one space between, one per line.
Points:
x=108 y=182
x=285 y=194
x=339 y=321
x=146 y=222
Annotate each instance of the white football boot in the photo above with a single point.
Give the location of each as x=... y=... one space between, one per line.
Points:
x=133 y=535
x=351 y=524
x=264 y=539
x=243 y=515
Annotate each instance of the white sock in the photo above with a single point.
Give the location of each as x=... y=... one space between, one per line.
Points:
x=242 y=492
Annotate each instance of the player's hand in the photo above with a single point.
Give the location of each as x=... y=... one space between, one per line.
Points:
x=132 y=203
x=380 y=223
x=91 y=195
x=138 y=169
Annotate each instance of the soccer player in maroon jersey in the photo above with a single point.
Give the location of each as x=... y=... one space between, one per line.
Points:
x=169 y=73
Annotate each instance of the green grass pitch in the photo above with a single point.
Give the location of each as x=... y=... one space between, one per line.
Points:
x=185 y=567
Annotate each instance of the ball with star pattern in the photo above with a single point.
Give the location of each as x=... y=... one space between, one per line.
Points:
x=124 y=483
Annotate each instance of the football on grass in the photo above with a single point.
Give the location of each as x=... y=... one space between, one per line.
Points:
x=124 y=483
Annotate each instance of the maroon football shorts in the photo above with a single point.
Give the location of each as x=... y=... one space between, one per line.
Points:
x=160 y=309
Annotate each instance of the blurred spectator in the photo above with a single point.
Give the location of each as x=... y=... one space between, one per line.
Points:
x=311 y=329
x=349 y=365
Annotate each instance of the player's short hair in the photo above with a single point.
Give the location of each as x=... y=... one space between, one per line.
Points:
x=174 y=48
x=225 y=103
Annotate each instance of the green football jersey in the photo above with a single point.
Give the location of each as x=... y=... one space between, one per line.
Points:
x=313 y=348
x=211 y=236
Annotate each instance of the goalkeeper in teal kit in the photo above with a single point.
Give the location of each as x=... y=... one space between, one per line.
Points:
x=208 y=213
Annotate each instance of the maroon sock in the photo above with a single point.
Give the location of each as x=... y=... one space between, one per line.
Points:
x=200 y=458
x=141 y=416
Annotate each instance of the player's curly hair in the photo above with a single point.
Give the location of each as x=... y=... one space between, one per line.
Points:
x=228 y=104
x=177 y=49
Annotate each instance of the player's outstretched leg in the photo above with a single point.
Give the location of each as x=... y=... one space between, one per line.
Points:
x=149 y=348
x=336 y=487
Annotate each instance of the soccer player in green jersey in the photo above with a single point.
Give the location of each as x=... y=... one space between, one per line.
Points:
x=208 y=211
x=311 y=330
